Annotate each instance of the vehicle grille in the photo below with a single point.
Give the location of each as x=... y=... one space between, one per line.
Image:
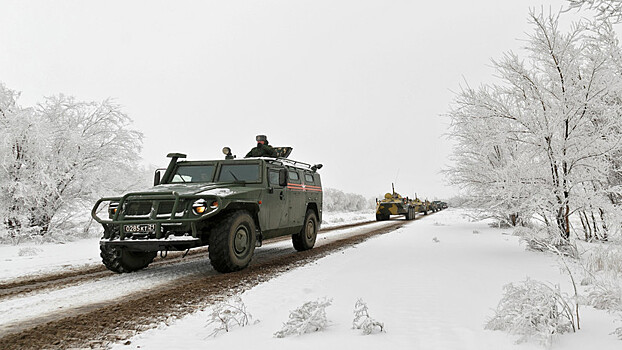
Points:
x=166 y=207
x=142 y=208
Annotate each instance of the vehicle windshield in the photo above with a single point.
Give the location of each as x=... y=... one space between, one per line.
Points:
x=194 y=173
x=239 y=173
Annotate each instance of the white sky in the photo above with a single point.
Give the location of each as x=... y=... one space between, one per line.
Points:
x=357 y=85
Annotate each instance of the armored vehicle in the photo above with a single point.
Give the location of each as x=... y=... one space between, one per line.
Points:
x=232 y=205
x=394 y=204
x=438 y=205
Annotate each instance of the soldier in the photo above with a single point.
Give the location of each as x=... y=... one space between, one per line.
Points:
x=263 y=149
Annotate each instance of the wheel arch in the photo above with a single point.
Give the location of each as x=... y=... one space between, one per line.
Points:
x=313 y=206
x=251 y=207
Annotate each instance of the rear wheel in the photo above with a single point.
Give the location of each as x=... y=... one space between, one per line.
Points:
x=305 y=239
x=232 y=242
x=121 y=260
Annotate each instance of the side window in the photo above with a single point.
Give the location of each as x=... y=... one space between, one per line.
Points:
x=309 y=179
x=273 y=177
x=293 y=176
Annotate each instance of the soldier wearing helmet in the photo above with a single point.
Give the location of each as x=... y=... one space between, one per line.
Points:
x=263 y=149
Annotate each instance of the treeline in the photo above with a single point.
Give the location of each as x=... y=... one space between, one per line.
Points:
x=336 y=200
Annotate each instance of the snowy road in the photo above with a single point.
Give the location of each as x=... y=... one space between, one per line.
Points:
x=56 y=300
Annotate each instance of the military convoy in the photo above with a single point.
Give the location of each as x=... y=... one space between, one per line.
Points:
x=394 y=204
x=232 y=205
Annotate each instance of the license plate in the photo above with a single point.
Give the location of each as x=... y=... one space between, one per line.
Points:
x=143 y=228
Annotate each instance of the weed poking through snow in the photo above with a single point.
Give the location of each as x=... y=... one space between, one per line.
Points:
x=363 y=321
x=228 y=315
x=310 y=317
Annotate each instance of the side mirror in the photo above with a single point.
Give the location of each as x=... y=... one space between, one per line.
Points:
x=283 y=177
x=157 y=177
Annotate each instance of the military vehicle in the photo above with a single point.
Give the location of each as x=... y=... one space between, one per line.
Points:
x=421 y=206
x=438 y=205
x=232 y=205
x=394 y=204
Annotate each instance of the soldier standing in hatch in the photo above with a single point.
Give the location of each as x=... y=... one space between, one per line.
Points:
x=263 y=149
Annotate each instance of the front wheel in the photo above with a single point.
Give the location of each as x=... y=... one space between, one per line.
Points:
x=232 y=242
x=305 y=239
x=121 y=260
x=382 y=217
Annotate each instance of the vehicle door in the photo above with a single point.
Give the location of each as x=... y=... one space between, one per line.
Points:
x=275 y=201
x=296 y=201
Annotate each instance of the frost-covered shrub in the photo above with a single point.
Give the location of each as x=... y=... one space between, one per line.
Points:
x=605 y=294
x=227 y=315
x=603 y=275
x=532 y=310
x=603 y=258
x=363 y=321
x=546 y=239
x=310 y=317
x=29 y=251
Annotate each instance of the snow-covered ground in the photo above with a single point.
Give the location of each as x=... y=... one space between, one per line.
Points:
x=433 y=283
x=29 y=258
x=332 y=219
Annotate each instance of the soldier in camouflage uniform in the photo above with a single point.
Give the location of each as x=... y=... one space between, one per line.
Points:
x=263 y=149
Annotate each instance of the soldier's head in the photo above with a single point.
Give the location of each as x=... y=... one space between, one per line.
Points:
x=261 y=139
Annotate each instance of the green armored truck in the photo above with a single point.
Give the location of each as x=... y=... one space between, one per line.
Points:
x=232 y=205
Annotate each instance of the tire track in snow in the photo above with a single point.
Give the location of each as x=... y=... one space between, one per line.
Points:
x=55 y=281
x=38 y=310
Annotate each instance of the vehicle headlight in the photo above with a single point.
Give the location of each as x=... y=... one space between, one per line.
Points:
x=199 y=207
x=112 y=209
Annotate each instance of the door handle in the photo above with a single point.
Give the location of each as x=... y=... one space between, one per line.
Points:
x=281 y=195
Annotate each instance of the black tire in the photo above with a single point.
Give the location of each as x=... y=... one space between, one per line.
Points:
x=305 y=239
x=382 y=217
x=121 y=260
x=232 y=242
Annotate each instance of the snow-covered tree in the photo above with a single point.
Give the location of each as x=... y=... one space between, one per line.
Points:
x=60 y=156
x=541 y=140
x=605 y=9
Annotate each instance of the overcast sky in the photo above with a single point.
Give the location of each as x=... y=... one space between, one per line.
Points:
x=358 y=85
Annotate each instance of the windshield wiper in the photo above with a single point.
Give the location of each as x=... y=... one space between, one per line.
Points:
x=235 y=177
x=181 y=177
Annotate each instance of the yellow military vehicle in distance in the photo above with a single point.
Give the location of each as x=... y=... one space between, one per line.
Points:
x=394 y=204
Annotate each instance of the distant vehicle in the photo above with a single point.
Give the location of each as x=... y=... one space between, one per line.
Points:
x=438 y=205
x=394 y=204
x=232 y=205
